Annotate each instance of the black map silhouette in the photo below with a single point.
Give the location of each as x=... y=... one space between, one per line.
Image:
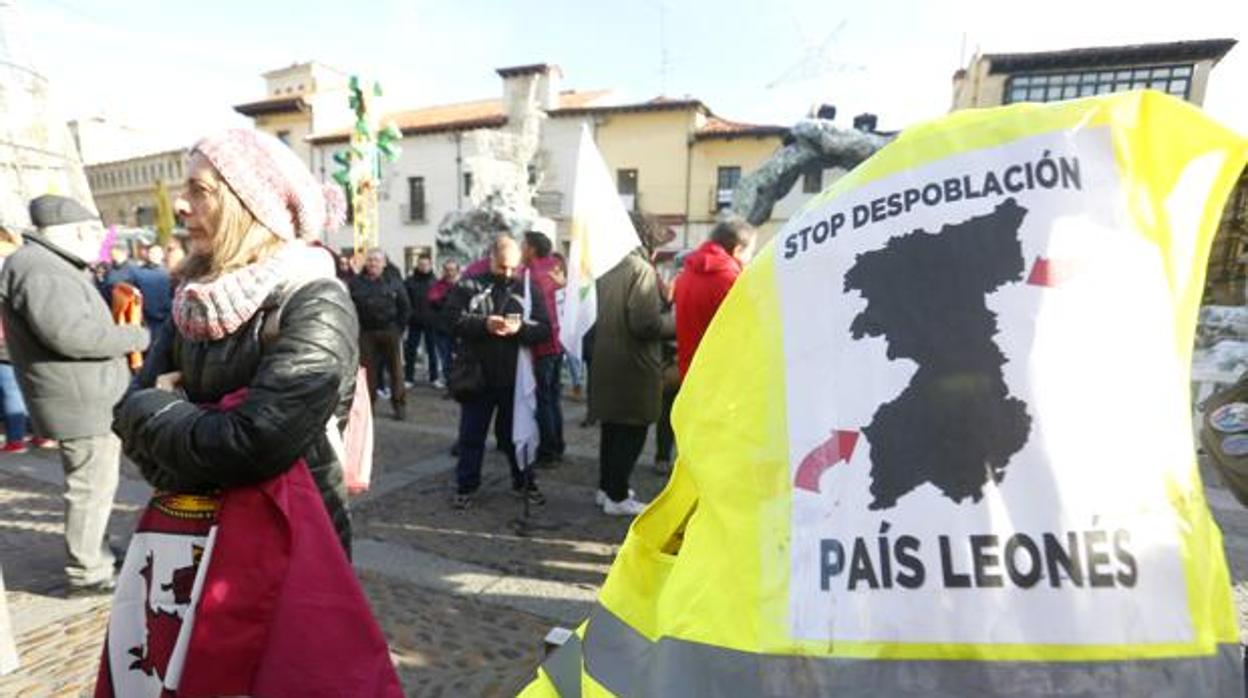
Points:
x=956 y=425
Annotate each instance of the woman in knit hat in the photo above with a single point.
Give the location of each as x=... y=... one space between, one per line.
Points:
x=257 y=308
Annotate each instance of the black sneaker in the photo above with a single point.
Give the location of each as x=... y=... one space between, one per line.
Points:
x=462 y=501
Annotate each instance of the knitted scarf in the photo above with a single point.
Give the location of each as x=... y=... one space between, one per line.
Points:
x=212 y=310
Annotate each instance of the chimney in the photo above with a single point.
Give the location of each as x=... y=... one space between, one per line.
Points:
x=865 y=122
x=540 y=79
x=826 y=112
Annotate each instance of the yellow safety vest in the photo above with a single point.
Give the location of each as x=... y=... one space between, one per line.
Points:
x=937 y=440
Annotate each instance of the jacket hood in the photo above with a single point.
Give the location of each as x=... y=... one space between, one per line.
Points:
x=710 y=258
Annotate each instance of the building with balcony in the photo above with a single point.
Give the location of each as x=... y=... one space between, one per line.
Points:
x=301 y=99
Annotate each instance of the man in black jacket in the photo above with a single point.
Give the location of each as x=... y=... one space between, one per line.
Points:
x=383 y=307
x=485 y=313
x=420 y=323
x=69 y=357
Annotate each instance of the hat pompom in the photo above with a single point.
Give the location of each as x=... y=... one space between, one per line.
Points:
x=335 y=206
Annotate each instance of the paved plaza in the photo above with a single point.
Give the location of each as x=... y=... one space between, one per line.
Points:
x=464 y=599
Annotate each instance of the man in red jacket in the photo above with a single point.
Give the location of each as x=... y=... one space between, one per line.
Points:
x=708 y=275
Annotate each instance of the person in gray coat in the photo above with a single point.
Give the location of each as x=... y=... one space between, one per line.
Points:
x=70 y=363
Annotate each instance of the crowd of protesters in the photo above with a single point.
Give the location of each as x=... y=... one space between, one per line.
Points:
x=255 y=315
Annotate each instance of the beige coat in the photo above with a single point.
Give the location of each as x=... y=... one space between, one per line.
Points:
x=626 y=373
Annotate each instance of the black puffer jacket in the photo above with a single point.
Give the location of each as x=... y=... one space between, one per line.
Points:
x=418 y=296
x=478 y=297
x=382 y=304
x=296 y=382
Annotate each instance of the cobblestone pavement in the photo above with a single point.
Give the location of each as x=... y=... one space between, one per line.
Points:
x=463 y=598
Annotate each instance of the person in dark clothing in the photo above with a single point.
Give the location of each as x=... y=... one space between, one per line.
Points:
x=383 y=308
x=118 y=269
x=345 y=272
x=420 y=324
x=443 y=341
x=289 y=336
x=587 y=357
x=152 y=279
x=485 y=313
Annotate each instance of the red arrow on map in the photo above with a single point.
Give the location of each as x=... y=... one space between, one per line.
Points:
x=839 y=447
x=1051 y=273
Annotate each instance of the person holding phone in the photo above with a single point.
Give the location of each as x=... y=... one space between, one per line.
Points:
x=485 y=312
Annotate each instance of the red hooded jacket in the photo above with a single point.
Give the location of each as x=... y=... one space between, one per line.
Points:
x=708 y=275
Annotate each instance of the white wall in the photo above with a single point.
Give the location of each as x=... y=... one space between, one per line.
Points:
x=433 y=157
x=430 y=156
x=560 y=139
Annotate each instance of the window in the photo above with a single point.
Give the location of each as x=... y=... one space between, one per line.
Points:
x=626 y=185
x=284 y=136
x=1052 y=87
x=626 y=182
x=416 y=199
x=726 y=179
x=812 y=180
x=467 y=184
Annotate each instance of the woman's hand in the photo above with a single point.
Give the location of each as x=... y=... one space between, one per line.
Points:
x=169 y=382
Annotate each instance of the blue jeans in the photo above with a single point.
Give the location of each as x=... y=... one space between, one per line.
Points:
x=411 y=345
x=474 y=425
x=576 y=370
x=444 y=345
x=549 y=412
x=15 y=415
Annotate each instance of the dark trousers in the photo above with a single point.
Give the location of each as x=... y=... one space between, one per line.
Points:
x=618 y=452
x=444 y=346
x=474 y=425
x=411 y=345
x=547 y=370
x=381 y=348
x=664 y=437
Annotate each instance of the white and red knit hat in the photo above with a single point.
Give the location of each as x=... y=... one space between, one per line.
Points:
x=273 y=183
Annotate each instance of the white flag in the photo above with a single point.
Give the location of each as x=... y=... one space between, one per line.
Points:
x=602 y=235
x=524 y=433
